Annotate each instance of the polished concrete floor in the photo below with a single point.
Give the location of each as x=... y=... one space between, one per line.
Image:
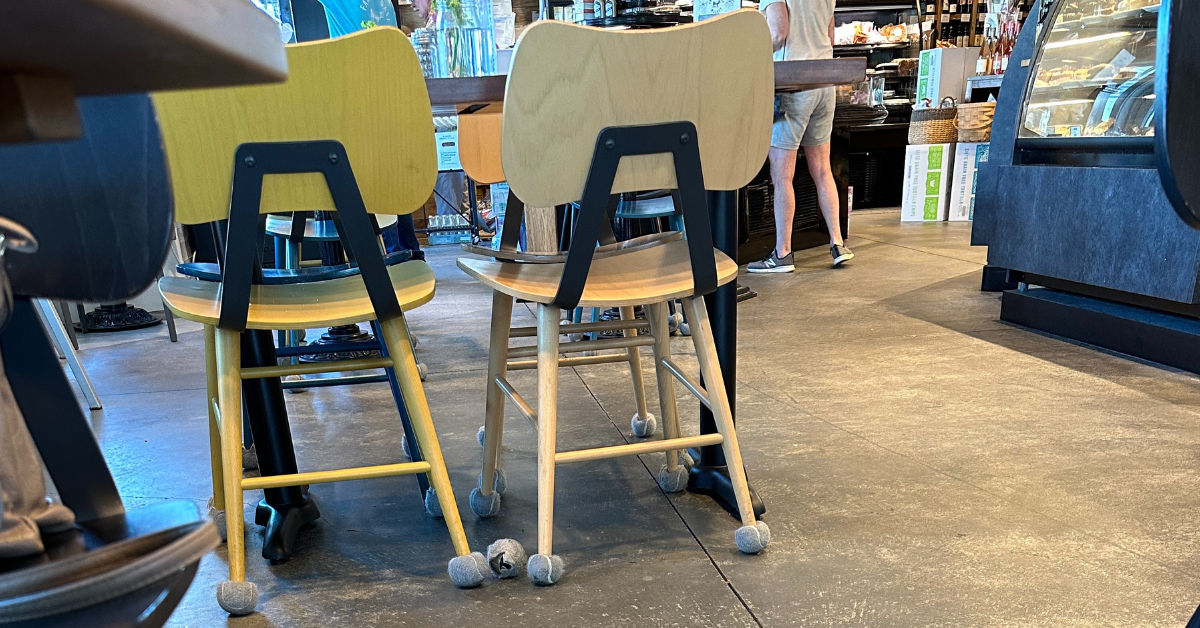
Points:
x=923 y=465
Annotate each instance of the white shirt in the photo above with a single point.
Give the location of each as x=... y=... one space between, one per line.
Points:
x=808 y=29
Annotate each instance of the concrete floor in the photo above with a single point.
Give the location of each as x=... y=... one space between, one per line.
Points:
x=923 y=464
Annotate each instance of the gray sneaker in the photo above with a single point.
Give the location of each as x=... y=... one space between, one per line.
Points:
x=773 y=264
x=840 y=254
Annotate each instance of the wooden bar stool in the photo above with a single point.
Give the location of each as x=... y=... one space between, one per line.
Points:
x=479 y=142
x=685 y=108
x=358 y=100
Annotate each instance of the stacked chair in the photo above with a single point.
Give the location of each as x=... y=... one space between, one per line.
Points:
x=350 y=132
x=589 y=114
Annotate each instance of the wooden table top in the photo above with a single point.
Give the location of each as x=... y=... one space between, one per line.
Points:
x=118 y=46
x=790 y=76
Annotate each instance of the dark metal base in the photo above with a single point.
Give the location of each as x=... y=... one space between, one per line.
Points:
x=715 y=483
x=342 y=334
x=744 y=293
x=996 y=279
x=283 y=525
x=119 y=317
x=1148 y=334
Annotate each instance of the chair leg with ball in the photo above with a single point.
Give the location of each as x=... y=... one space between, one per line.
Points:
x=485 y=498
x=673 y=475
x=467 y=568
x=235 y=595
x=544 y=567
x=754 y=536
x=643 y=423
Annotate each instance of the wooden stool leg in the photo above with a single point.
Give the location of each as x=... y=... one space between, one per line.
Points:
x=482 y=502
x=714 y=384
x=236 y=596
x=545 y=568
x=395 y=334
x=661 y=331
x=596 y=314
x=643 y=423
x=214 y=432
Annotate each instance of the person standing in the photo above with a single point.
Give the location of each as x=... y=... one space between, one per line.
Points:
x=801 y=29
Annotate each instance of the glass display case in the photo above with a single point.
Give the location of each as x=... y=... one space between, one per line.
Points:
x=888 y=34
x=1094 y=75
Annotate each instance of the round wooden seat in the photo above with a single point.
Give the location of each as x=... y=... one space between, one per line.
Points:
x=341 y=301
x=649 y=275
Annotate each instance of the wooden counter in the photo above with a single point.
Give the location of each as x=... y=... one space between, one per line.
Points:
x=790 y=76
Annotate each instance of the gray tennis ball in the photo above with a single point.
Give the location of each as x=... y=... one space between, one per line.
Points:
x=545 y=570
x=506 y=558
x=468 y=571
x=753 y=539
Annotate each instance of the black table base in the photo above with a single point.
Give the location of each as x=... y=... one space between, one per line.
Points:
x=284 y=510
x=340 y=335
x=710 y=475
x=118 y=317
x=283 y=524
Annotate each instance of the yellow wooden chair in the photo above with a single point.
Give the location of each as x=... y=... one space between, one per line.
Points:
x=590 y=113
x=240 y=153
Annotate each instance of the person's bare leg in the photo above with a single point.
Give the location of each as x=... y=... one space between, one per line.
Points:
x=827 y=196
x=783 y=168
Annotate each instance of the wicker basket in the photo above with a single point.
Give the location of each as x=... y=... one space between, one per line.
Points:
x=974 y=122
x=934 y=126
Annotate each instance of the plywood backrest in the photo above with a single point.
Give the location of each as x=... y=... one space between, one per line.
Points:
x=364 y=90
x=569 y=82
x=479 y=145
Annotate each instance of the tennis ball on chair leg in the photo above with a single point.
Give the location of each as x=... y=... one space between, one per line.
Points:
x=752 y=539
x=673 y=481
x=544 y=570
x=237 y=598
x=468 y=571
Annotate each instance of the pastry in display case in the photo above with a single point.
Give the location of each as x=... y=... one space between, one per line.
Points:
x=1094 y=76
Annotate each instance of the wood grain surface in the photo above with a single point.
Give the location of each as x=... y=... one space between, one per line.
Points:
x=479 y=144
x=644 y=276
x=117 y=46
x=364 y=90
x=569 y=82
x=790 y=76
x=299 y=306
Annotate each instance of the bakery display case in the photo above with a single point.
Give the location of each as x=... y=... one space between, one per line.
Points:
x=1094 y=75
x=1093 y=145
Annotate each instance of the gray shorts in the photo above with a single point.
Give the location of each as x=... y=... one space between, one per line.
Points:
x=803 y=118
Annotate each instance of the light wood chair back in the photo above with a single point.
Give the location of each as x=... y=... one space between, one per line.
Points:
x=364 y=90
x=569 y=82
x=479 y=145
